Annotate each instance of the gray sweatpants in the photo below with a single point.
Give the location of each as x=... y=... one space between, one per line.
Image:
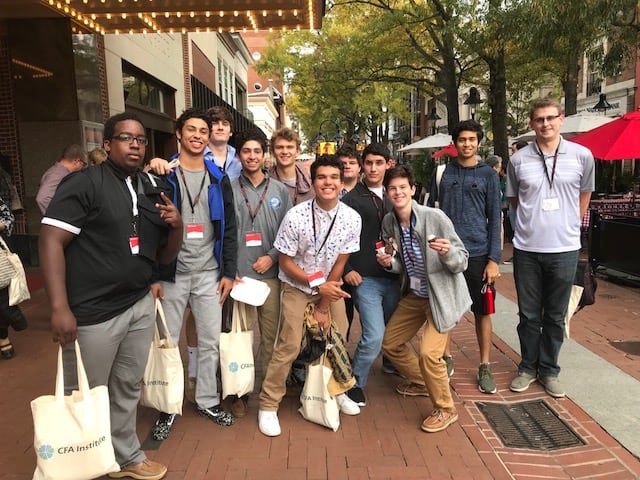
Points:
x=198 y=289
x=115 y=354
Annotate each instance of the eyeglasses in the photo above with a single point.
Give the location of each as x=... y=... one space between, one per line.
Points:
x=548 y=119
x=125 y=137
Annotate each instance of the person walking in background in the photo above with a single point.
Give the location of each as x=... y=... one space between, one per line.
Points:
x=74 y=159
x=97 y=156
x=495 y=162
x=549 y=185
x=507 y=210
x=10 y=315
x=422 y=246
x=260 y=205
x=103 y=232
x=376 y=291
x=469 y=193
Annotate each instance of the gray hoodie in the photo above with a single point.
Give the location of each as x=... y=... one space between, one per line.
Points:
x=448 y=293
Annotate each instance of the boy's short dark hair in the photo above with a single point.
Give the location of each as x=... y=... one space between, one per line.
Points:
x=348 y=150
x=251 y=134
x=467 y=126
x=376 y=149
x=218 y=113
x=110 y=124
x=327 y=161
x=400 y=171
x=192 y=113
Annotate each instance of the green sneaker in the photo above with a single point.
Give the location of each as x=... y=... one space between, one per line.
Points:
x=485 y=379
x=449 y=361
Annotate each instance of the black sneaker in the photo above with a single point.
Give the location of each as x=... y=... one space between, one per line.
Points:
x=357 y=396
x=218 y=415
x=163 y=426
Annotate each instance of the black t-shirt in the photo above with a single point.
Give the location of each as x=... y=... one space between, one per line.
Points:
x=103 y=277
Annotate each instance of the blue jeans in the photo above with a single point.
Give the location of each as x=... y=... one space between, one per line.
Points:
x=543 y=283
x=376 y=299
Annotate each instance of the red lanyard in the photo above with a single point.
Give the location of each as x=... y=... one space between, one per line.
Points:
x=246 y=198
x=313 y=219
x=194 y=202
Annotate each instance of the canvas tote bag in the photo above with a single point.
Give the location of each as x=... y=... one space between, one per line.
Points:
x=18 y=289
x=236 y=355
x=163 y=380
x=72 y=434
x=318 y=406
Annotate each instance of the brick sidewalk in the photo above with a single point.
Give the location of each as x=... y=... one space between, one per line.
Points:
x=383 y=442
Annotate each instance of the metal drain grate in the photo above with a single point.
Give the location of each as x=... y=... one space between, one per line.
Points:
x=531 y=425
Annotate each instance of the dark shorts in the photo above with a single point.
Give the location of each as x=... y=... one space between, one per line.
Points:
x=473 y=276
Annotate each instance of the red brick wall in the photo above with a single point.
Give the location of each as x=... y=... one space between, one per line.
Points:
x=8 y=122
x=104 y=90
x=185 y=69
x=203 y=69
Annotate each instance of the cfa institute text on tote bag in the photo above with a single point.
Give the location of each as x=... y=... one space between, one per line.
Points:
x=72 y=434
x=163 y=380
x=236 y=355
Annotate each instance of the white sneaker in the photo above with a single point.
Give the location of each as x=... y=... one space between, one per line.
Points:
x=347 y=406
x=268 y=423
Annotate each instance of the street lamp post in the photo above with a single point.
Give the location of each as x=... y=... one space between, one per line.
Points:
x=338 y=138
x=602 y=105
x=433 y=117
x=472 y=100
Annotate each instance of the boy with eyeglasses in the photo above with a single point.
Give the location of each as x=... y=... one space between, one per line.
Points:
x=549 y=185
x=103 y=231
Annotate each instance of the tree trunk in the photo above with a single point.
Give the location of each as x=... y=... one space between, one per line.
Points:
x=570 y=84
x=498 y=105
x=449 y=82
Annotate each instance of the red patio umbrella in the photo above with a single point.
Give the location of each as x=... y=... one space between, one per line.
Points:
x=615 y=140
x=449 y=150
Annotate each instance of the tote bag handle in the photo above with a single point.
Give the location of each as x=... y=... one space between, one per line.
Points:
x=83 y=382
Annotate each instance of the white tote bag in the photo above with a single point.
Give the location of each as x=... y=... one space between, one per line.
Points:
x=163 y=380
x=18 y=288
x=236 y=355
x=318 y=406
x=72 y=434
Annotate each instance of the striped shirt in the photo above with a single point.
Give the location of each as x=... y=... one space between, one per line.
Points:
x=414 y=261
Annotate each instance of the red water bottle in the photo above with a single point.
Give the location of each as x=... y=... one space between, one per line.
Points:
x=489 y=294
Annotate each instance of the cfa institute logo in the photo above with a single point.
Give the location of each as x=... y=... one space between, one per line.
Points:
x=233 y=367
x=45 y=452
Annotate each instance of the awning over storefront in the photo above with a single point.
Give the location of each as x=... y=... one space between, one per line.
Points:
x=174 y=16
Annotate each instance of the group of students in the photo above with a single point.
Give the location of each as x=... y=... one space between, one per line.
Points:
x=198 y=225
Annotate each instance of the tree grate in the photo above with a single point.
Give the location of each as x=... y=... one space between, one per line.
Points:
x=531 y=424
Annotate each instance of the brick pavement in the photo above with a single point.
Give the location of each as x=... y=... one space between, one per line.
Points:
x=384 y=442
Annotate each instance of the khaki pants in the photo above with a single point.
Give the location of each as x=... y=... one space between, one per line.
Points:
x=429 y=369
x=287 y=348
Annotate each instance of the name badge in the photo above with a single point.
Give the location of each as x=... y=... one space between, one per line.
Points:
x=195 y=230
x=253 y=239
x=414 y=283
x=316 y=279
x=134 y=245
x=550 y=204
